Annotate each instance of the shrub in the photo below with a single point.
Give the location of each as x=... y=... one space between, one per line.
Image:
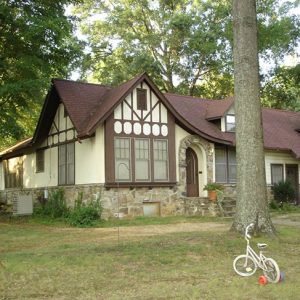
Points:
x=54 y=207
x=85 y=214
x=283 y=191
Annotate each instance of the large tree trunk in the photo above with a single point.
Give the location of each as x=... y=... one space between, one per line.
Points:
x=252 y=205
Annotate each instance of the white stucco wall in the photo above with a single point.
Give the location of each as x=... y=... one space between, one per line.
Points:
x=90 y=159
x=276 y=157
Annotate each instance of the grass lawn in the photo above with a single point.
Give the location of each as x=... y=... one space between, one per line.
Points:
x=54 y=262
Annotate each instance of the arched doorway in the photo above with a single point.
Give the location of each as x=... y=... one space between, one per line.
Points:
x=192 y=184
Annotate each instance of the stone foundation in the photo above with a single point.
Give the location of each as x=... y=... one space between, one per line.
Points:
x=130 y=202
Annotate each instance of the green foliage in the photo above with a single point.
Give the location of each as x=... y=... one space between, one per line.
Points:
x=36 y=43
x=283 y=90
x=283 y=191
x=85 y=214
x=54 y=207
x=213 y=186
x=184 y=45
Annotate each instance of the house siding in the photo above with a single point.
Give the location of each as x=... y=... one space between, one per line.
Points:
x=272 y=157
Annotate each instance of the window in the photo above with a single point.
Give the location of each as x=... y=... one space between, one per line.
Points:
x=13 y=172
x=225 y=165
x=66 y=164
x=40 y=161
x=141 y=160
x=230 y=123
x=276 y=173
x=160 y=149
x=122 y=159
x=141 y=95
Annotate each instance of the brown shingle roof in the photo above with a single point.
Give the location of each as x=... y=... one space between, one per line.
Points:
x=88 y=105
x=280 y=130
x=80 y=99
x=217 y=108
x=194 y=110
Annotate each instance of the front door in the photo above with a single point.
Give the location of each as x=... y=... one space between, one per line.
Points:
x=192 y=185
x=292 y=176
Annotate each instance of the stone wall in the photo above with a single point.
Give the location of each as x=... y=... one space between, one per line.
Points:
x=129 y=202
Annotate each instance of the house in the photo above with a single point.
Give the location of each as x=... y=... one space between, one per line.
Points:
x=139 y=150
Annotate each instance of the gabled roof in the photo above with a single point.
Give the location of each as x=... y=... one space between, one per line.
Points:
x=17 y=148
x=218 y=108
x=89 y=105
x=281 y=130
x=194 y=110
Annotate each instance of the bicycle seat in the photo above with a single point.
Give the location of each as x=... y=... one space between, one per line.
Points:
x=262 y=246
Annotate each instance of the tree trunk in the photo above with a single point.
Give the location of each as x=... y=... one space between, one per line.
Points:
x=252 y=204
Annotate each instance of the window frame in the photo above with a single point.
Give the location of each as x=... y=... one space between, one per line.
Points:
x=66 y=163
x=130 y=160
x=272 y=172
x=167 y=160
x=141 y=99
x=227 y=164
x=40 y=161
x=227 y=123
x=149 y=160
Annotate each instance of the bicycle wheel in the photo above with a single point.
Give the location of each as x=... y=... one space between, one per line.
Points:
x=272 y=272
x=244 y=265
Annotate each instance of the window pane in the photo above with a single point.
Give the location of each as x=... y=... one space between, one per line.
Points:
x=221 y=173
x=230 y=123
x=221 y=164
x=142 y=160
x=71 y=163
x=40 y=161
x=141 y=99
x=62 y=164
x=276 y=173
x=232 y=173
x=122 y=159
x=220 y=155
x=161 y=164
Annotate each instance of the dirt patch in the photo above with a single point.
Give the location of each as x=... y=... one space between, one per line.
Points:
x=150 y=230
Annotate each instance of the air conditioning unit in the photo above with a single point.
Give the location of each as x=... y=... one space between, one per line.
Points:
x=22 y=205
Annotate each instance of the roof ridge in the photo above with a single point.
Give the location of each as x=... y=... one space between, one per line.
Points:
x=189 y=96
x=281 y=110
x=85 y=83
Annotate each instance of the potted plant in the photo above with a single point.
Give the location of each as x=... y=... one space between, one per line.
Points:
x=212 y=188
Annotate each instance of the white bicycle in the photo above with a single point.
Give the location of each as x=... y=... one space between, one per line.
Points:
x=247 y=264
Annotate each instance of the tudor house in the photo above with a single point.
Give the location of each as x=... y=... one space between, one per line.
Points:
x=138 y=150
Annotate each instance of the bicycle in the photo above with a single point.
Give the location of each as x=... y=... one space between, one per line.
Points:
x=247 y=264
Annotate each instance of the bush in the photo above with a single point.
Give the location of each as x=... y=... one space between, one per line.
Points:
x=283 y=192
x=54 y=207
x=85 y=214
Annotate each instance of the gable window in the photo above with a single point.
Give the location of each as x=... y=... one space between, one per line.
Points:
x=141 y=159
x=141 y=95
x=225 y=165
x=122 y=159
x=276 y=173
x=161 y=166
x=40 y=161
x=13 y=172
x=66 y=164
x=230 y=123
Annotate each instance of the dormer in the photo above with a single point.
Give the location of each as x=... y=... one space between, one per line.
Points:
x=222 y=114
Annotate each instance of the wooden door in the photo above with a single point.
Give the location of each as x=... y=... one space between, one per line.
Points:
x=292 y=176
x=192 y=184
